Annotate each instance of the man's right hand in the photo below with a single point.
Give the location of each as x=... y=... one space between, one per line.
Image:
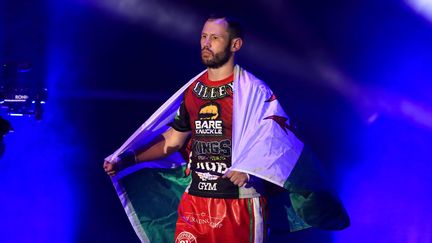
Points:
x=109 y=168
x=162 y=146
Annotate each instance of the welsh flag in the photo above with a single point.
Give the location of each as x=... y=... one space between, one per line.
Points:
x=263 y=146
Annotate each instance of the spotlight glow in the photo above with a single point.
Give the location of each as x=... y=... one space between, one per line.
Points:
x=423 y=7
x=165 y=18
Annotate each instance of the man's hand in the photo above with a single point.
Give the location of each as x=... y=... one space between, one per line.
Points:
x=109 y=168
x=238 y=178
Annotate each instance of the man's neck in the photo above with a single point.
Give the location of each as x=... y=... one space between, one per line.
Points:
x=215 y=74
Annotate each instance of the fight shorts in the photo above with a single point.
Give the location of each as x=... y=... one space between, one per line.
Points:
x=221 y=220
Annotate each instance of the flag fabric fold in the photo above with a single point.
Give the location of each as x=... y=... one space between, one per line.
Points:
x=262 y=146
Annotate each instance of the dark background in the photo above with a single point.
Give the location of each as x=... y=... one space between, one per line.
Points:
x=353 y=75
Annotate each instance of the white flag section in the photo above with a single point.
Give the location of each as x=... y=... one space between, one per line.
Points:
x=261 y=146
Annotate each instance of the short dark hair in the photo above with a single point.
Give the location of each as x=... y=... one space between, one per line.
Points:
x=235 y=29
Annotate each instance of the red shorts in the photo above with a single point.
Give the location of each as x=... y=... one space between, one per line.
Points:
x=202 y=219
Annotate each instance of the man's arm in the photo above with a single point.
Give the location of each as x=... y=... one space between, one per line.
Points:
x=163 y=145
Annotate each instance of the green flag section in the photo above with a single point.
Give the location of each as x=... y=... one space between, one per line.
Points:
x=151 y=199
x=313 y=201
x=151 y=196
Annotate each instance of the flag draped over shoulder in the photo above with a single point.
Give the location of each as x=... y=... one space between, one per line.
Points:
x=263 y=146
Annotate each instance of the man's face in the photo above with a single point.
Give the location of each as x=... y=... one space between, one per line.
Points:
x=215 y=43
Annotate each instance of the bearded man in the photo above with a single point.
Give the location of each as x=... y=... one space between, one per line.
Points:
x=237 y=136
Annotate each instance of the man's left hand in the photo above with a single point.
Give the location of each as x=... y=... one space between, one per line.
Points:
x=238 y=178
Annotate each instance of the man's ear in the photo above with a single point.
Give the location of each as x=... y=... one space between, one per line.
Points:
x=236 y=44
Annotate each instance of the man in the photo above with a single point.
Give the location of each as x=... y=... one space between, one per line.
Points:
x=229 y=157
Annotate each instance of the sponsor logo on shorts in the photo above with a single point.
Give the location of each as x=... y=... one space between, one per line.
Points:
x=203 y=219
x=185 y=237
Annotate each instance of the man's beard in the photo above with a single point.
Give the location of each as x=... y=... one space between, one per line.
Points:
x=218 y=59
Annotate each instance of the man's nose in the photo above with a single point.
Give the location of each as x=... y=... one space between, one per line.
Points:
x=207 y=42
